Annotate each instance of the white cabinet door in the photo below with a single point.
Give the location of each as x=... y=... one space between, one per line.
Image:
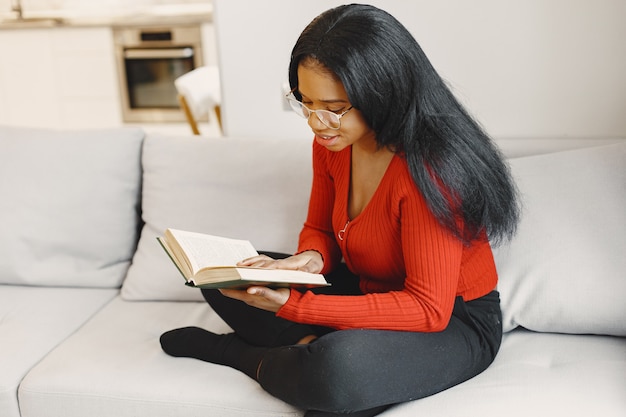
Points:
x=84 y=63
x=58 y=77
x=28 y=89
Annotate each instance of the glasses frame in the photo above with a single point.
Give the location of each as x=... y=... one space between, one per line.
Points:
x=295 y=102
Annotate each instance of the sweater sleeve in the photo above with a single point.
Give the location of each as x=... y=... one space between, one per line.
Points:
x=317 y=233
x=424 y=304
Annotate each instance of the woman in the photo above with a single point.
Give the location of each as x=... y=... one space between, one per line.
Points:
x=407 y=191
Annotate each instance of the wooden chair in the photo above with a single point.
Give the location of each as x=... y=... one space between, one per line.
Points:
x=199 y=96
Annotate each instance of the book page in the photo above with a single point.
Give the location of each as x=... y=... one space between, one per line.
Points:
x=207 y=251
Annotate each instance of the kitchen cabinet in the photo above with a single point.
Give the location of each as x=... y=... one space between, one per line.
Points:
x=62 y=77
x=65 y=77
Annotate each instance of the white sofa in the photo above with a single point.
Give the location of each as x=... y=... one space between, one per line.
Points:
x=85 y=291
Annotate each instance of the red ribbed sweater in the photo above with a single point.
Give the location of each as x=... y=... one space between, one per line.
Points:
x=410 y=267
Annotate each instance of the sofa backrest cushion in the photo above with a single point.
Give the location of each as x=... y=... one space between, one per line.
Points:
x=255 y=189
x=69 y=205
x=565 y=270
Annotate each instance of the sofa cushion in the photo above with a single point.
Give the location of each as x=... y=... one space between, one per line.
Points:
x=255 y=189
x=114 y=366
x=537 y=374
x=69 y=205
x=33 y=321
x=565 y=271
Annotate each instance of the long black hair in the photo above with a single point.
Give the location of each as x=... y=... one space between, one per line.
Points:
x=389 y=79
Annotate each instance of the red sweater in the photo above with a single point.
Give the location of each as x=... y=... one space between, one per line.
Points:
x=410 y=267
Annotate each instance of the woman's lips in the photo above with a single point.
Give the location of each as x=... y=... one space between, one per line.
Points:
x=326 y=140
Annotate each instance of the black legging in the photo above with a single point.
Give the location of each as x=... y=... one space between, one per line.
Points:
x=352 y=370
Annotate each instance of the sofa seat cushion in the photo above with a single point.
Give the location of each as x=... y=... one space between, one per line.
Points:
x=33 y=320
x=69 y=205
x=114 y=366
x=538 y=374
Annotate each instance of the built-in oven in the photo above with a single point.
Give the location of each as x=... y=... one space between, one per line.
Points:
x=149 y=59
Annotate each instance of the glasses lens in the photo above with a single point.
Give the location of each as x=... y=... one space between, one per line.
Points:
x=329 y=118
x=298 y=107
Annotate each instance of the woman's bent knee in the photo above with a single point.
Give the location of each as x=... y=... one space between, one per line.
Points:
x=327 y=375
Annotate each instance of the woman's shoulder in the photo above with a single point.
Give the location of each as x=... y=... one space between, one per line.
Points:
x=398 y=178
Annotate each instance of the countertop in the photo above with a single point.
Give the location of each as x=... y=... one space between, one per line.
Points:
x=152 y=16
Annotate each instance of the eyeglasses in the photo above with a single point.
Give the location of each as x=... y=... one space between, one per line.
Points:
x=330 y=119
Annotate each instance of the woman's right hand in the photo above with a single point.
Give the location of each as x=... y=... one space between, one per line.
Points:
x=308 y=261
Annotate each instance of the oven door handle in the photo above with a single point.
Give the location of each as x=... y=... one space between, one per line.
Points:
x=158 y=53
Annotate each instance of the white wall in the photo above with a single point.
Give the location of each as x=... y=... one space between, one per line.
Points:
x=525 y=68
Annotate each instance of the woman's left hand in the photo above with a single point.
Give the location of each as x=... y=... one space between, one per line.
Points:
x=261 y=297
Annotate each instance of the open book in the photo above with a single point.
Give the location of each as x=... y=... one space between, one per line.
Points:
x=207 y=261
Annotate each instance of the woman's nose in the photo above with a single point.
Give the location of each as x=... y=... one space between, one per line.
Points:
x=315 y=122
